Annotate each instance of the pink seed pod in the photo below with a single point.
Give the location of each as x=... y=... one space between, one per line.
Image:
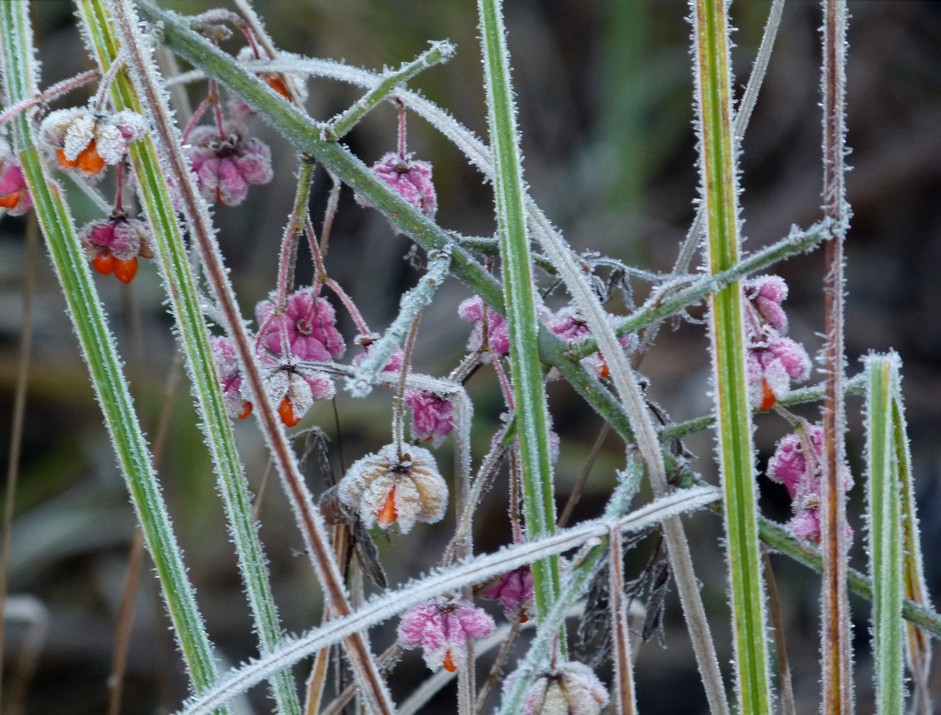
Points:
x=432 y=416
x=514 y=591
x=225 y=357
x=308 y=324
x=441 y=628
x=498 y=335
x=570 y=688
x=90 y=140
x=14 y=193
x=226 y=166
x=410 y=179
x=388 y=487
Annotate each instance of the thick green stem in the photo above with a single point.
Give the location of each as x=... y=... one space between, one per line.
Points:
x=519 y=296
x=733 y=414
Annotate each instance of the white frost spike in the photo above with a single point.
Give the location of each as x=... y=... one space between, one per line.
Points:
x=410 y=479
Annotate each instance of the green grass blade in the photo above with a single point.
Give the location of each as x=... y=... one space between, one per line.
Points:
x=733 y=414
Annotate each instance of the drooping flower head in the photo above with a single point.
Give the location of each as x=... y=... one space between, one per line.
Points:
x=569 y=688
x=389 y=487
x=498 y=333
x=89 y=140
x=308 y=325
x=410 y=179
x=441 y=628
x=113 y=245
x=226 y=166
x=225 y=357
x=773 y=360
x=295 y=388
x=514 y=591
x=570 y=326
x=432 y=416
x=14 y=193
x=800 y=472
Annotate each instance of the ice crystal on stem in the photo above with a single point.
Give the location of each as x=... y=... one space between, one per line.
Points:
x=89 y=140
x=773 y=360
x=226 y=165
x=441 y=628
x=396 y=485
x=570 y=688
x=800 y=473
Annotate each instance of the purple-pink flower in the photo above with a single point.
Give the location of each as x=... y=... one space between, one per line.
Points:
x=569 y=325
x=410 y=179
x=308 y=326
x=514 y=591
x=225 y=357
x=14 y=193
x=498 y=334
x=773 y=360
x=800 y=473
x=441 y=628
x=225 y=166
x=432 y=416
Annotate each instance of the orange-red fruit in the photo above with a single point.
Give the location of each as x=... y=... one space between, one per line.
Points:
x=246 y=410
x=767 y=396
x=286 y=413
x=125 y=270
x=387 y=514
x=11 y=200
x=449 y=663
x=103 y=263
x=89 y=160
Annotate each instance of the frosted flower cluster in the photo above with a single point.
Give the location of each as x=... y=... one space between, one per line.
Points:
x=441 y=628
x=88 y=140
x=773 y=360
x=392 y=487
x=801 y=473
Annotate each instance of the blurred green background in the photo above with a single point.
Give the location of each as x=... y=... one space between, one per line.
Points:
x=604 y=94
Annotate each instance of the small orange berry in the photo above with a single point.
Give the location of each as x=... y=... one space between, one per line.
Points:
x=449 y=663
x=286 y=412
x=767 y=396
x=246 y=410
x=387 y=513
x=103 y=263
x=11 y=200
x=90 y=161
x=277 y=84
x=125 y=270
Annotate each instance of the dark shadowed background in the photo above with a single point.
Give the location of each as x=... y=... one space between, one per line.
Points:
x=604 y=93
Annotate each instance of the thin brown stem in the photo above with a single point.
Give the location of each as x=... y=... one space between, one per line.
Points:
x=780 y=644
x=835 y=617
